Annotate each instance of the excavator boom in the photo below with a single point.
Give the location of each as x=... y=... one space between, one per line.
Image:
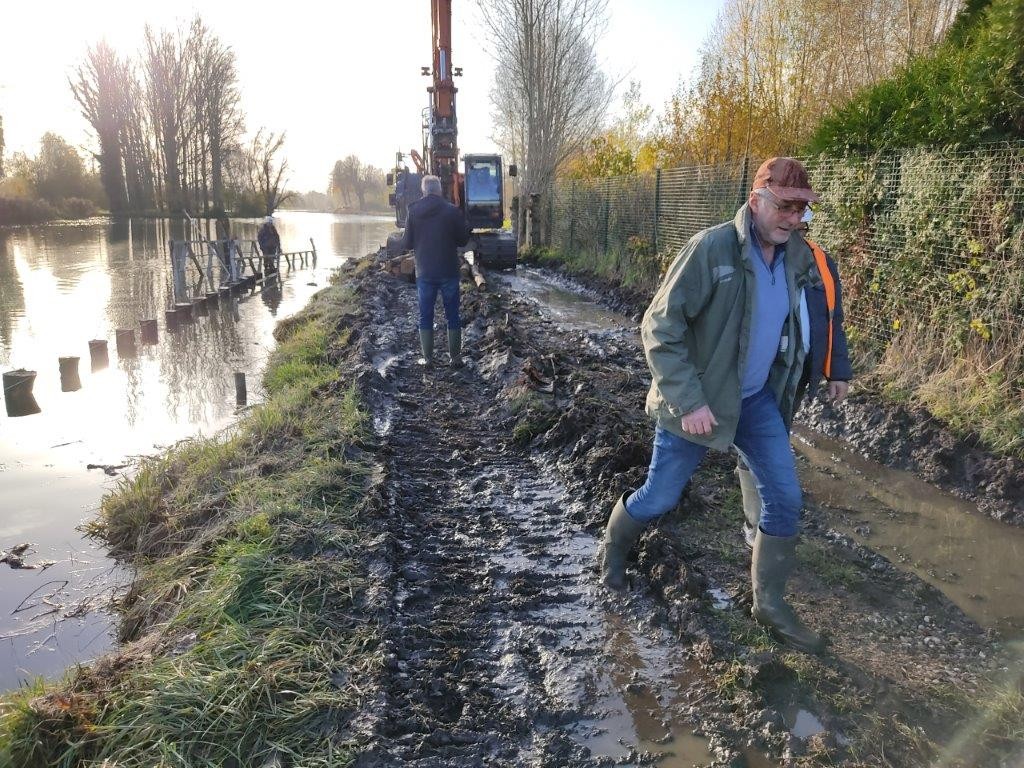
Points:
x=442 y=132
x=480 y=192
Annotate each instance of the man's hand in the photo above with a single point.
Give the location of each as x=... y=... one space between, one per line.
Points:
x=699 y=422
x=837 y=390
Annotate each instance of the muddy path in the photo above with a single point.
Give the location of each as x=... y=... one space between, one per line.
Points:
x=900 y=436
x=502 y=649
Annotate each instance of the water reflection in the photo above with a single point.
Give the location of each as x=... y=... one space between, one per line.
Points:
x=64 y=285
x=12 y=298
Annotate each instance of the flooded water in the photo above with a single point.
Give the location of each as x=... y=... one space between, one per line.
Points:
x=976 y=561
x=642 y=695
x=60 y=287
x=561 y=305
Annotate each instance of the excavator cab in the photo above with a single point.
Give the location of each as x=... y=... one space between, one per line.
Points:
x=483 y=198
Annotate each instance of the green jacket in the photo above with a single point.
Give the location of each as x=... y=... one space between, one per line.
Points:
x=696 y=331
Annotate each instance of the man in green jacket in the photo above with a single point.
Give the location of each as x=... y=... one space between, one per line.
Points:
x=723 y=341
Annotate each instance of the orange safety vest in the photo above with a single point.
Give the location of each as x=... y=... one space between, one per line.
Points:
x=830 y=298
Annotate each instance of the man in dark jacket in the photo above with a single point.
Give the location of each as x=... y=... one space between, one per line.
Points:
x=270 y=243
x=434 y=231
x=827 y=357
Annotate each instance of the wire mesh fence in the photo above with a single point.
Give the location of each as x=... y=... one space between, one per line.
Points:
x=929 y=242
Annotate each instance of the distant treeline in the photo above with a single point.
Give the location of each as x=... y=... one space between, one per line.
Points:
x=355 y=186
x=53 y=184
x=170 y=136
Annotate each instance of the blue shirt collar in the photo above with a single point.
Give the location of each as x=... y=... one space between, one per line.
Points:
x=755 y=244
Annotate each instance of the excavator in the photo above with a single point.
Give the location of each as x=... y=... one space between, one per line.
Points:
x=479 y=187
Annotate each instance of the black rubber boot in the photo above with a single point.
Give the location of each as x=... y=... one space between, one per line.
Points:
x=426 y=346
x=620 y=535
x=751 y=504
x=455 y=346
x=774 y=558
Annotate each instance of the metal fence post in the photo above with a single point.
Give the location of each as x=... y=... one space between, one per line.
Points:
x=607 y=215
x=657 y=205
x=572 y=214
x=179 y=254
x=744 y=181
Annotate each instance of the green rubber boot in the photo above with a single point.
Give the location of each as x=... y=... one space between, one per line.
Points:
x=455 y=346
x=620 y=535
x=774 y=558
x=426 y=346
x=751 y=504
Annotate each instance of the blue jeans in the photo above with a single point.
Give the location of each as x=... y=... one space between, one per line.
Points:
x=762 y=441
x=427 y=290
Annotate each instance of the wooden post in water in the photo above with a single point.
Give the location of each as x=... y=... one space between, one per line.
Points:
x=124 y=338
x=70 y=381
x=149 y=332
x=98 y=356
x=184 y=310
x=241 y=396
x=213 y=298
x=312 y=246
x=18 y=393
x=171 y=319
x=199 y=307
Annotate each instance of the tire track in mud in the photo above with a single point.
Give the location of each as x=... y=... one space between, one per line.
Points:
x=499 y=648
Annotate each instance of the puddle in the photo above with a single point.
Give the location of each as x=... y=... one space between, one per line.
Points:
x=802 y=723
x=630 y=688
x=564 y=307
x=385 y=364
x=720 y=599
x=640 y=697
x=974 y=560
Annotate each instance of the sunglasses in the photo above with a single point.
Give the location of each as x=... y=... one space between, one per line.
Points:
x=783 y=207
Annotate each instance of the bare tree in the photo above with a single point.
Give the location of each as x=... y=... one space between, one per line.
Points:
x=338 y=186
x=550 y=96
x=98 y=88
x=345 y=179
x=220 y=110
x=168 y=90
x=267 y=171
x=350 y=177
x=136 y=147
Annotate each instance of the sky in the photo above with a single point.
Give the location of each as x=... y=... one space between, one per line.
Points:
x=338 y=77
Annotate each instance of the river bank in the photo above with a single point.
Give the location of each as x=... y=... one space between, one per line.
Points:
x=389 y=566
x=62 y=286
x=239 y=615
